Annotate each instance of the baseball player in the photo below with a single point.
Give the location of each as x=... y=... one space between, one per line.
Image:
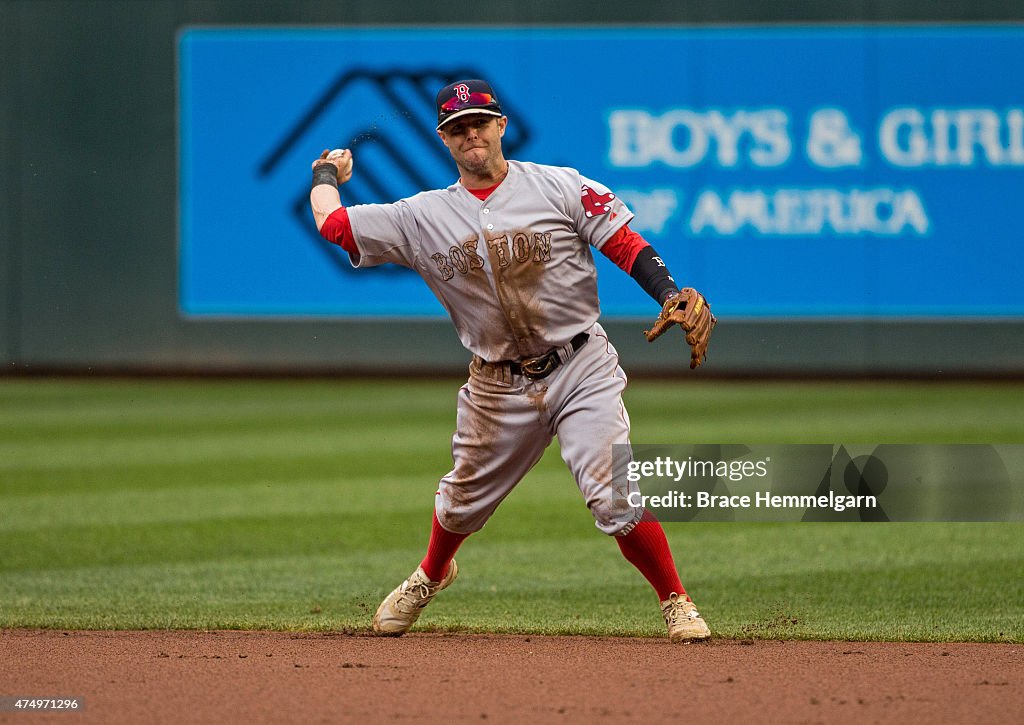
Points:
x=508 y=250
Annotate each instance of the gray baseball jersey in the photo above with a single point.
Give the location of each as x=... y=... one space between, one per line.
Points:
x=514 y=272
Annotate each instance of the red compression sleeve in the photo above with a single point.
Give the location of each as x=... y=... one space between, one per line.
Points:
x=337 y=229
x=623 y=247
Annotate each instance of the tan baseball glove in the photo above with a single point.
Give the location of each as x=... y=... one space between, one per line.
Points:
x=691 y=311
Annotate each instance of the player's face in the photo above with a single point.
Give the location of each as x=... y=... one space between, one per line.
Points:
x=474 y=141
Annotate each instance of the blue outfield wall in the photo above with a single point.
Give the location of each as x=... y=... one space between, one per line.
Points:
x=796 y=173
x=842 y=188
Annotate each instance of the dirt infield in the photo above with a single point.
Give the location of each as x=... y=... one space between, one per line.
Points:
x=171 y=677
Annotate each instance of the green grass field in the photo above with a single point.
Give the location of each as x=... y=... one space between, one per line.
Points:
x=299 y=504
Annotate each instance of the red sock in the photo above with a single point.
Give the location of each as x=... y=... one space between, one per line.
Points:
x=646 y=548
x=440 y=551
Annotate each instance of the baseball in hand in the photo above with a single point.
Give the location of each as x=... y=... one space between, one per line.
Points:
x=341 y=159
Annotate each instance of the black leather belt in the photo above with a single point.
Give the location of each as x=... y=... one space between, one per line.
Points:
x=536 y=368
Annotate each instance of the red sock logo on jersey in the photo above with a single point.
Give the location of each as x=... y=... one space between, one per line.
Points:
x=595 y=204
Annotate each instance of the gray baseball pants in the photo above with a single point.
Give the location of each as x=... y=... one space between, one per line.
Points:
x=506 y=421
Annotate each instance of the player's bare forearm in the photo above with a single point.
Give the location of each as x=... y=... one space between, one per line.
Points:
x=331 y=169
x=324 y=200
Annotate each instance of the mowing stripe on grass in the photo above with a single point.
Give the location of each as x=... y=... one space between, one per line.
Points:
x=298 y=504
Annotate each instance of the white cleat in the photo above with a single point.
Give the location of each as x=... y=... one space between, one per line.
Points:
x=402 y=607
x=684 y=621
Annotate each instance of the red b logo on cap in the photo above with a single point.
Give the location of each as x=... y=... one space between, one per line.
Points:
x=462 y=92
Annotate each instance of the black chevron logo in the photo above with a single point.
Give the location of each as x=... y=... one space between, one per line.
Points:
x=401 y=153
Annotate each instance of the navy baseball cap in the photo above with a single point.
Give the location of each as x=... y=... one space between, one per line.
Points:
x=462 y=98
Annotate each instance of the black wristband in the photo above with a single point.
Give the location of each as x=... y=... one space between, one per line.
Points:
x=652 y=275
x=325 y=173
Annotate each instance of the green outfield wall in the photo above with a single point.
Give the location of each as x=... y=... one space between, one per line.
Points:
x=89 y=207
